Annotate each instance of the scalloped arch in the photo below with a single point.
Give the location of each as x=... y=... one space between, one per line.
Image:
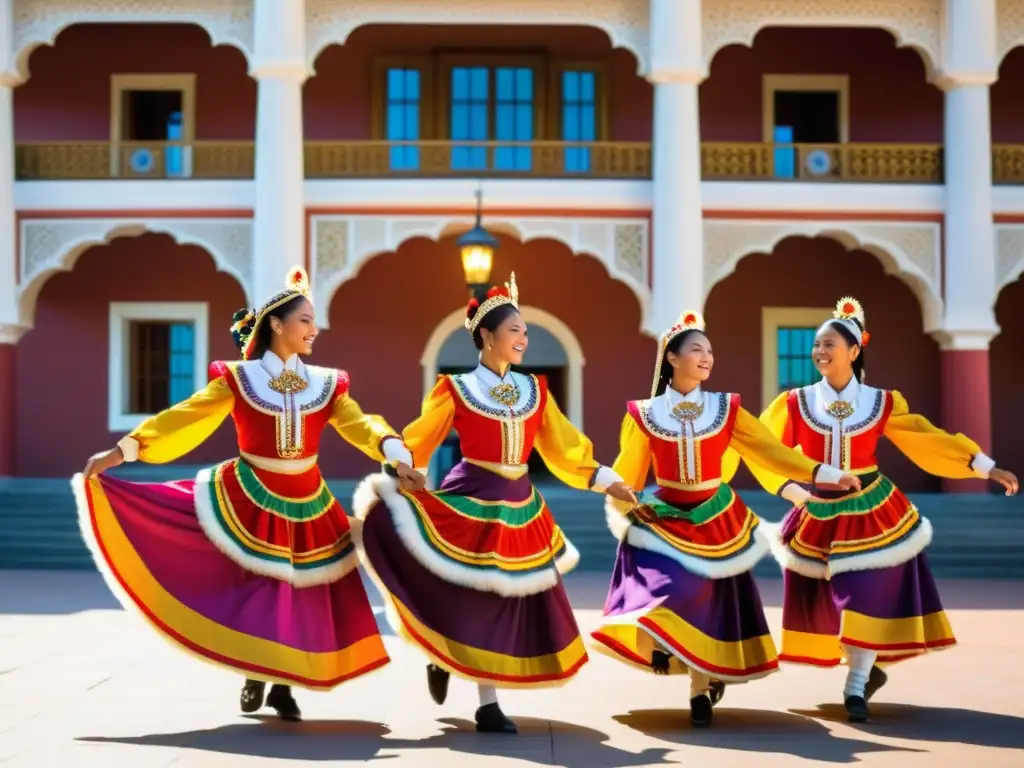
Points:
x=45 y=31
x=388 y=236
x=28 y=293
x=893 y=258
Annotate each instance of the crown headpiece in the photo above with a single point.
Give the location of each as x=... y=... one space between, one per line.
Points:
x=690 y=320
x=495 y=298
x=296 y=284
x=848 y=310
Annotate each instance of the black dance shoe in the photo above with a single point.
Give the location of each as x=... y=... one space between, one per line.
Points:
x=659 y=662
x=252 y=696
x=437 y=683
x=490 y=719
x=717 y=691
x=856 y=709
x=281 y=699
x=700 y=711
x=876 y=680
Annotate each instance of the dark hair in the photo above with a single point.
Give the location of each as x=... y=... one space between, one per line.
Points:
x=262 y=341
x=674 y=346
x=490 y=321
x=850 y=339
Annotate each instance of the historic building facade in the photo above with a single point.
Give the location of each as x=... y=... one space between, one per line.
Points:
x=164 y=162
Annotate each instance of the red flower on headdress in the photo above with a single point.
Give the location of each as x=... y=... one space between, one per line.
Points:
x=849 y=309
x=473 y=305
x=496 y=291
x=689 y=319
x=865 y=338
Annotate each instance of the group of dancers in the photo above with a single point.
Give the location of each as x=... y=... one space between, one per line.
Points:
x=253 y=565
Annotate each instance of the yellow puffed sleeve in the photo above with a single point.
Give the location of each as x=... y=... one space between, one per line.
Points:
x=633 y=463
x=934 y=450
x=424 y=435
x=365 y=431
x=775 y=420
x=764 y=452
x=566 y=451
x=171 y=434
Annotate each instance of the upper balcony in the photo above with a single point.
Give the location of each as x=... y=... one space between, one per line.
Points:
x=501 y=102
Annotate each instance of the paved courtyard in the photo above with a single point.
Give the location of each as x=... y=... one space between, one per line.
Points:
x=83 y=683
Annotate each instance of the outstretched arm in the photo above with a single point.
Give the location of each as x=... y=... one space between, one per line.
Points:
x=425 y=434
x=368 y=432
x=759 y=446
x=634 y=460
x=569 y=454
x=938 y=452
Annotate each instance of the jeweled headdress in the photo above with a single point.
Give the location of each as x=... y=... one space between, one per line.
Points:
x=495 y=298
x=688 y=321
x=847 y=311
x=247 y=324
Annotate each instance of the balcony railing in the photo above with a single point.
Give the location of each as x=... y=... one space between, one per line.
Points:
x=720 y=161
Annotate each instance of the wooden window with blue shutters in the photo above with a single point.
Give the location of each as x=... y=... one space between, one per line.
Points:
x=495 y=105
x=162 y=364
x=580 y=110
x=795 y=365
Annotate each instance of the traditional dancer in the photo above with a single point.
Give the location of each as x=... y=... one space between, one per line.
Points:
x=471 y=573
x=251 y=565
x=682 y=598
x=857 y=582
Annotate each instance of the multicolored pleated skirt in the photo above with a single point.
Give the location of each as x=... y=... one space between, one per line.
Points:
x=682 y=584
x=207 y=563
x=856 y=574
x=471 y=576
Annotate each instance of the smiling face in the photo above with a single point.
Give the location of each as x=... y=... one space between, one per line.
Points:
x=295 y=334
x=692 y=361
x=833 y=355
x=508 y=342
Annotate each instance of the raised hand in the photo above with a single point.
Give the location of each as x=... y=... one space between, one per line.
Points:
x=1006 y=479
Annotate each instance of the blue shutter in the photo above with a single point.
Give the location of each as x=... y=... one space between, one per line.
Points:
x=579 y=116
x=402 y=117
x=182 y=363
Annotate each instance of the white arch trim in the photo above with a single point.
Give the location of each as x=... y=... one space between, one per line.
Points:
x=910 y=250
x=48 y=246
x=1009 y=254
x=562 y=332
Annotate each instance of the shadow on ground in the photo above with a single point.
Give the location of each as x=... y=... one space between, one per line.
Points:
x=757 y=731
x=543 y=742
x=940 y=724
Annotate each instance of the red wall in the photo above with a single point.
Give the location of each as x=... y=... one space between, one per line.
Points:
x=67 y=97
x=1007 y=372
x=337 y=100
x=890 y=100
x=802 y=272
x=1007 y=100
x=62 y=363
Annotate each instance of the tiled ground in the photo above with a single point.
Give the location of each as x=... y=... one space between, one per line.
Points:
x=85 y=684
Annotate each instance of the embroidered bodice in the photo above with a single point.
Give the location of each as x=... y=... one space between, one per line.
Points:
x=841 y=429
x=272 y=421
x=688 y=435
x=492 y=431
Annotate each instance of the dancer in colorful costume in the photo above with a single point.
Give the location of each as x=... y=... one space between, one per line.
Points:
x=682 y=598
x=251 y=565
x=471 y=573
x=857 y=582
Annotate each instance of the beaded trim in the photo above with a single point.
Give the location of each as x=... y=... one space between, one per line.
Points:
x=466 y=395
x=715 y=426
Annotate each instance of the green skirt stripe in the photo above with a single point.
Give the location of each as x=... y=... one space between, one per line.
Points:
x=702 y=513
x=512 y=515
x=868 y=500
x=295 y=511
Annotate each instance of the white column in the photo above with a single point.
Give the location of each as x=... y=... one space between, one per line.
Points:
x=9 y=79
x=279 y=67
x=968 y=68
x=677 y=69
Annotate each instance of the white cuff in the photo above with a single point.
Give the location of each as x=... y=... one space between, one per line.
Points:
x=605 y=476
x=982 y=465
x=129 y=448
x=795 y=495
x=395 y=452
x=828 y=475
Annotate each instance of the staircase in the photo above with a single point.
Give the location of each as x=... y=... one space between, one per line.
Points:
x=976 y=536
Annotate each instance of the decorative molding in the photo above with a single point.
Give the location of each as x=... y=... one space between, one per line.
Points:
x=11 y=334
x=625 y=22
x=914 y=23
x=910 y=250
x=1010 y=31
x=53 y=245
x=342 y=244
x=119 y=418
x=39 y=22
x=1009 y=254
